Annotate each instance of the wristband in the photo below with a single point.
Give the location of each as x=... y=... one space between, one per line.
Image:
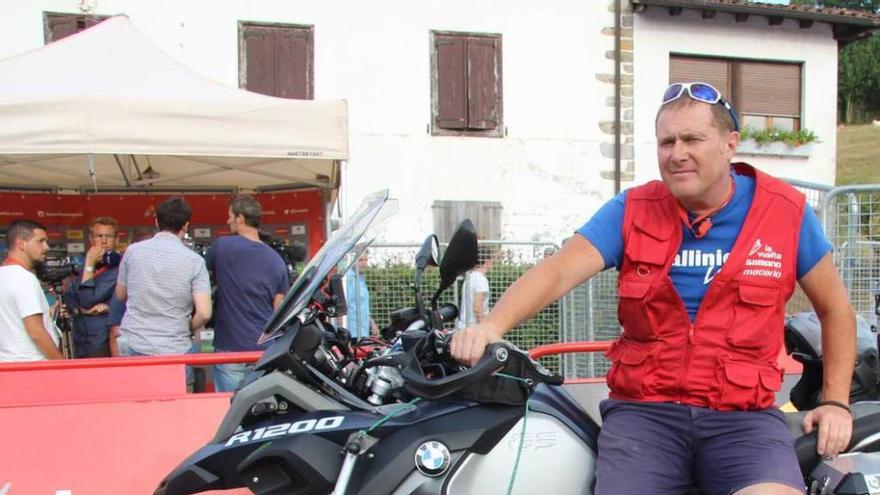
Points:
x=835 y=404
x=88 y=269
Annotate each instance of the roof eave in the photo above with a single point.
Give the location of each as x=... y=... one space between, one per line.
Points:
x=865 y=23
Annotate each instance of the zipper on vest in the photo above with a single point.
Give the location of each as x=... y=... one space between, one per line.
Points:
x=682 y=376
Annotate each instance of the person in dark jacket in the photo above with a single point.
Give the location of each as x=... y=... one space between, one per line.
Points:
x=88 y=298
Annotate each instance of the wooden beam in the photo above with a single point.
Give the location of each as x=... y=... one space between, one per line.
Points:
x=774 y=20
x=708 y=14
x=805 y=23
x=674 y=10
x=741 y=17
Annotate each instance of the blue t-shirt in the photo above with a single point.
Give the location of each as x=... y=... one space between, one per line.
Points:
x=698 y=260
x=249 y=274
x=357 y=297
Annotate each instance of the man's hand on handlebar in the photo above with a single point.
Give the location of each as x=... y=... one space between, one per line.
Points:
x=469 y=344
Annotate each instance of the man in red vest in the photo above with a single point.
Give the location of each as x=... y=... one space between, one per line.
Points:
x=707 y=259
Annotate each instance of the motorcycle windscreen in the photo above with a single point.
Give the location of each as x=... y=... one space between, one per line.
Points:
x=345 y=244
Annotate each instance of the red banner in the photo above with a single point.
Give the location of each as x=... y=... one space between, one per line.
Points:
x=296 y=213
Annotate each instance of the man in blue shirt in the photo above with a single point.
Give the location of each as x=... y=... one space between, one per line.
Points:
x=251 y=281
x=357 y=296
x=89 y=297
x=659 y=446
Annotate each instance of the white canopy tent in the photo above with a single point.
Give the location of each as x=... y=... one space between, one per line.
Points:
x=107 y=109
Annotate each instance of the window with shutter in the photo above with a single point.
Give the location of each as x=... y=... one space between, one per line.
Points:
x=277 y=60
x=486 y=216
x=466 y=96
x=59 y=26
x=765 y=94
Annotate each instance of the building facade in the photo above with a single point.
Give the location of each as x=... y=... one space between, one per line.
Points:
x=525 y=116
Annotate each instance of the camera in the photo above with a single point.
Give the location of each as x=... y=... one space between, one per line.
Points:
x=291 y=254
x=57 y=267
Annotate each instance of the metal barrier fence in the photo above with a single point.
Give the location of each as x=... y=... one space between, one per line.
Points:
x=816 y=194
x=389 y=277
x=851 y=218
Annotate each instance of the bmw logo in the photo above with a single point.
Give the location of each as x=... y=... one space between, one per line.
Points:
x=432 y=458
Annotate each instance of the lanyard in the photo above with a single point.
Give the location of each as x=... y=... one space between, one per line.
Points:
x=12 y=261
x=700 y=226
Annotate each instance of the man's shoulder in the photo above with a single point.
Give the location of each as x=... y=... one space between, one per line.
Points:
x=19 y=273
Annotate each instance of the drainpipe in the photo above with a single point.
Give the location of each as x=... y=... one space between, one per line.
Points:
x=617 y=123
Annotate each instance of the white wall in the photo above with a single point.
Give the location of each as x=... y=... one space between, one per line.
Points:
x=376 y=55
x=656 y=34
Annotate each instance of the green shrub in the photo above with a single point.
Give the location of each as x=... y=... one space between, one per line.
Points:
x=773 y=135
x=391 y=287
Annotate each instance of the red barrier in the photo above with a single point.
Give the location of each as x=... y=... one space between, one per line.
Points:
x=102 y=379
x=112 y=448
x=789 y=365
x=118 y=425
x=103 y=426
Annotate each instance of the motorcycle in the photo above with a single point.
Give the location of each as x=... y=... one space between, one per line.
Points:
x=324 y=413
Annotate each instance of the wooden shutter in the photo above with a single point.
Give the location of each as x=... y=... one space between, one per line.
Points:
x=483 y=82
x=259 y=59
x=711 y=70
x=767 y=88
x=486 y=216
x=293 y=63
x=60 y=26
x=452 y=91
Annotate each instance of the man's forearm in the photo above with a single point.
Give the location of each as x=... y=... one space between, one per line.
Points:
x=48 y=348
x=35 y=329
x=197 y=322
x=838 y=352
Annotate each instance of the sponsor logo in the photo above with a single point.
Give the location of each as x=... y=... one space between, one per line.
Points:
x=285 y=429
x=696 y=258
x=432 y=458
x=763 y=261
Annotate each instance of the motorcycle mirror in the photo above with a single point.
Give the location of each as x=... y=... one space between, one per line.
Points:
x=429 y=253
x=460 y=256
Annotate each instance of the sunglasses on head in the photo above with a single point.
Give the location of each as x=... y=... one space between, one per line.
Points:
x=700 y=91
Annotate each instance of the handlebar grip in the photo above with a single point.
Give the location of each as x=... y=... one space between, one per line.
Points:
x=495 y=358
x=447 y=312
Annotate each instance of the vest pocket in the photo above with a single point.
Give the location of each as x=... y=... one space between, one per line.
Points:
x=631 y=362
x=632 y=309
x=756 y=309
x=748 y=386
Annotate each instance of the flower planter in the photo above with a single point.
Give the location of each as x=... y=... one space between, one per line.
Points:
x=777 y=148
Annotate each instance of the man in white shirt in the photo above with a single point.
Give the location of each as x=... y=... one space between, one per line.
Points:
x=475 y=292
x=27 y=332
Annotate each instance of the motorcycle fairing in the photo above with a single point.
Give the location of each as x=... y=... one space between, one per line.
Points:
x=557 y=402
x=476 y=429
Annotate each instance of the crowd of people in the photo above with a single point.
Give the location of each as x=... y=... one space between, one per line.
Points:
x=150 y=301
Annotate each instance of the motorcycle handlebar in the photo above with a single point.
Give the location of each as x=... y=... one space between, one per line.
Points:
x=494 y=359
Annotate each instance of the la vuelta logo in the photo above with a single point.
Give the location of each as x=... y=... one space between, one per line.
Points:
x=763 y=262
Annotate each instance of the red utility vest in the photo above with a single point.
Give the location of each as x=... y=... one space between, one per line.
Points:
x=726 y=358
